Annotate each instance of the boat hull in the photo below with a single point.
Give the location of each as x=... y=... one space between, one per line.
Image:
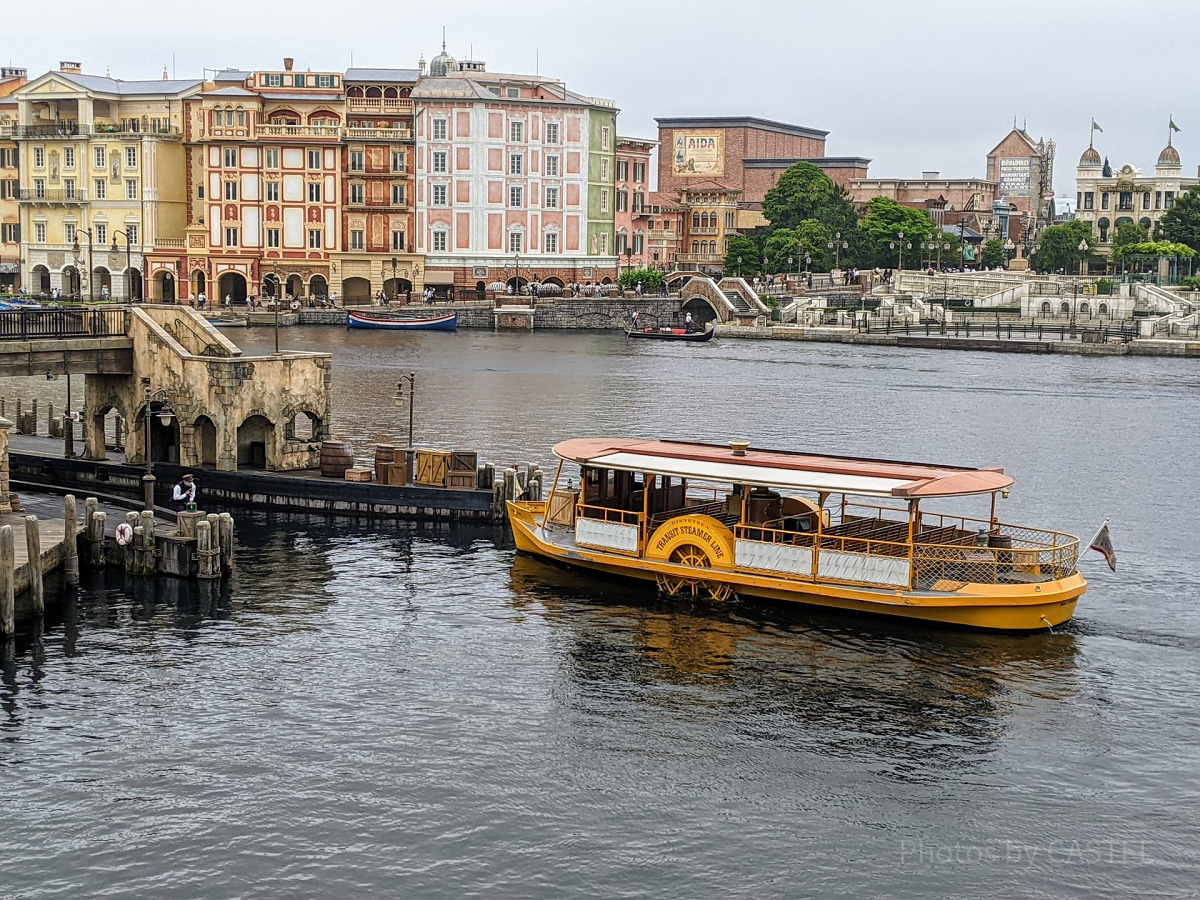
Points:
x=691 y=337
x=979 y=606
x=448 y=322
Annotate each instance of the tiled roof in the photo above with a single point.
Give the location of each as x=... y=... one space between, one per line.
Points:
x=129 y=88
x=384 y=76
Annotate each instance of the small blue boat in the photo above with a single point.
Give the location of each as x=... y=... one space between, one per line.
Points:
x=447 y=322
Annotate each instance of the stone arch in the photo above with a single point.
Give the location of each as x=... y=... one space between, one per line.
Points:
x=390 y=93
x=285 y=116
x=270 y=285
x=255 y=441
x=1103 y=310
x=1146 y=223
x=303 y=425
x=39 y=277
x=1064 y=307
x=703 y=300
x=233 y=285
x=554 y=279
x=354 y=92
x=374 y=92
x=318 y=286
x=162 y=285
x=295 y=285
x=199 y=282
x=1047 y=309
x=356 y=291
x=1085 y=309
x=204 y=441
x=71 y=282
x=164 y=431
x=101 y=279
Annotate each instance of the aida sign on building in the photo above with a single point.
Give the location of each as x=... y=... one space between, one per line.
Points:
x=699 y=153
x=1015 y=177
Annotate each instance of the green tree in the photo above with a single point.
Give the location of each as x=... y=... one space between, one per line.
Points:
x=744 y=249
x=1058 y=247
x=780 y=246
x=650 y=279
x=885 y=220
x=1130 y=233
x=805 y=193
x=1155 y=249
x=813 y=238
x=993 y=253
x=1181 y=223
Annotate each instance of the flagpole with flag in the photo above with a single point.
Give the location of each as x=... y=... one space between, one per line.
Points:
x=1171 y=129
x=1102 y=544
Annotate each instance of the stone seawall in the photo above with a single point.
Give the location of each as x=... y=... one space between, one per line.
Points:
x=580 y=312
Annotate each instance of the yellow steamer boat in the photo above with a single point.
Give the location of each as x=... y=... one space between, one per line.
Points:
x=840 y=532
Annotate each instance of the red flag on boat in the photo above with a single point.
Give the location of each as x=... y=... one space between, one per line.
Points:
x=1102 y=544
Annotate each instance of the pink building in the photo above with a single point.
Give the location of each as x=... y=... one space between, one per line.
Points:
x=633 y=187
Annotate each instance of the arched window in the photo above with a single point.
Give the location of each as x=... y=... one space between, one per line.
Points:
x=1084 y=309
x=1064 y=307
x=374 y=92
x=1103 y=310
x=389 y=93
x=241 y=117
x=695 y=220
x=1103 y=225
x=354 y=91
x=695 y=246
x=1046 y=309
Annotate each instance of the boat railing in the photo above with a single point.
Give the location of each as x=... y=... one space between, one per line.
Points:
x=607 y=514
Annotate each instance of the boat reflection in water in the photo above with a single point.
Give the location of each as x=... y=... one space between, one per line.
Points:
x=837 y=686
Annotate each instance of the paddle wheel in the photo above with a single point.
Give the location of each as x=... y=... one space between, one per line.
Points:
x=675 y=586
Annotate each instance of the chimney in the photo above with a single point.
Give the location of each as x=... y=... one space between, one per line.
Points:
x=165 y=74
x=930 y=176
x=287 y=63
x=70 y=68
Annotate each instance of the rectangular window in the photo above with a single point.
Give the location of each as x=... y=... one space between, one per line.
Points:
x=356 y=161
x=516 y=132
x=325 y=81
x=622 y=170
x=274 y=81
x=39 y=157
x=516 y=164
x=398 y=241
x=131 y=189
x=70 y=233
x=622 y=241
x=98 y=158
x=357 y=193
x=298 y=81
x=314 y=239
x=1104 y=200
x=273 y=237
x=1089 y=200
x=357 y=240
x=68 y=157
x=639 y=172
x=10 y=234
x=397 y=195
x=439 y=161
x=1125 y=200
x=314 y=159
x=200 y=191
x=398 y=161
x=638 y=243
x=604 y=242
x=231 y=190
x=1157 y=200
x=604 y=170
x=231 y=237
x=604 y=200
x=552 y=136
x=1146 y=200
x=512 y=93
x=439 y=195
x=622 y=201
x=272 y=157
x=551 y=198
x=231 y=157
x=39 y=189
x=514 y=241
x=515 y=196
x=729 y=221
x=39 y=232
x=241 y=118
x=439 y=129
x=639 y=201
x=69 y=188
x=314 y=192
x=551 y=241
x=131 y=234
x=101 y=192
x=101 y=235
x=439 y=241
x=1168 y=199
x=273 y=191
x=131 y=157
x=551 y=166
x=605 y=137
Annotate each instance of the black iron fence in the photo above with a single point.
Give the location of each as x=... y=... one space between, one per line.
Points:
x=62 y=322
x=1100 y=334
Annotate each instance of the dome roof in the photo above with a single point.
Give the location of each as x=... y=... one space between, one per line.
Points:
x=442 y=64
x=1169 y=157
x=1090 y=157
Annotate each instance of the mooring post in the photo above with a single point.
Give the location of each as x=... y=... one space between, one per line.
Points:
x=70 y=548
x=226 y=541
x=149 y=562
x=96 y=525
x=139 y=550
x=131 y=519
x=33 y=416
x=8 y=610
x=33 y=547
x=208 y=558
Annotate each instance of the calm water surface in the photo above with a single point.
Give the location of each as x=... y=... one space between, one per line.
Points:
x=390 y=709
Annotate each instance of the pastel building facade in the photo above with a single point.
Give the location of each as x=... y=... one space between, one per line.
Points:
x=632 y=190
x=514 y=179
x=11 y=79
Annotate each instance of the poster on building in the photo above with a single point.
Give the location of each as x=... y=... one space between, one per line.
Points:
x=1015 y=177
x=699 y=153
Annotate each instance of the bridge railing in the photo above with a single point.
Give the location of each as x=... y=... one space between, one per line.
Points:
x=49 y=323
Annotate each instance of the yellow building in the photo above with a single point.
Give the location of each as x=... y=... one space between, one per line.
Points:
x=102 y=179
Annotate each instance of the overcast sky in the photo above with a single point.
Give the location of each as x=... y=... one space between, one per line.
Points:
x=911 y=85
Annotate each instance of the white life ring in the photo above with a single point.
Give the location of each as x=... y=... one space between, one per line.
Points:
x=966 y=303
x=124 y=533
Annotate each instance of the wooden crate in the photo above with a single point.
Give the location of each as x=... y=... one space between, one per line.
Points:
x=356 y=474
x=432 y=467
x=463 y=481
x=463 y=460
x=562 y=507
x=397 y=473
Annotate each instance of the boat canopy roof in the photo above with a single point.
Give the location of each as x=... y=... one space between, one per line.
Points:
x=783 y=469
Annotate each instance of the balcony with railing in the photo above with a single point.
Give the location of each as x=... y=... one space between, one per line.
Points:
x=378 y=134
x=399 y=106
x=51 y=130
x=53 y=195
x=123 y=130
x=299 y=132
x=705 y=232
x=389 y=203
x=701 y=258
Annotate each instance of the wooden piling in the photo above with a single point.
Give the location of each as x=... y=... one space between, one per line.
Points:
x=33 y=547
x=510 y=484
x=149 y=562
x=131 y=519
x=97 y=555
x=226 y=542
x=70 y=548
x=208 y=563
x=8 y=610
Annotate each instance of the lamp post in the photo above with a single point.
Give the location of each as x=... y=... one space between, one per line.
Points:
x=128 y=261
x=75 y=249
x=900 y=266
x=165 y=415
x=398 y=399
x=1083 y=249
x=395 y=283
x=837 y=245
x=962 y=244
x=1009 y=247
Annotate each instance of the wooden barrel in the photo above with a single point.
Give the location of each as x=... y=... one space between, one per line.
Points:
x=1002 y=544
x=385 y=455
x=336 y=458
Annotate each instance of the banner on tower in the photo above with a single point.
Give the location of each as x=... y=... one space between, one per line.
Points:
x=699 y=153
x=1014 y=177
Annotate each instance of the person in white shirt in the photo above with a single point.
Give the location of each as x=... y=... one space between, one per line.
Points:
x=184 y=493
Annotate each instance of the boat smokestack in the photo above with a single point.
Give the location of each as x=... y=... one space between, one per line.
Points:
x=739 y=448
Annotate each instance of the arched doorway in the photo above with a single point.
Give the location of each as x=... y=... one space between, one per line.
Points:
x=164 y=433
x=205 y=441
x=397 y=287
x=518 y=284
x=162 y=286
x=554 y=279
x=101 y=282
x=199 y=283
x=304 y=426
x=356 y=292
x=135 y=284
x=295 y=285
x=318 y=286
x=1046 y=308
x=232 y=285
x=270 y=287
x=40 y=278
x=1085 y=310
x=70 y=281
x=254 y=438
